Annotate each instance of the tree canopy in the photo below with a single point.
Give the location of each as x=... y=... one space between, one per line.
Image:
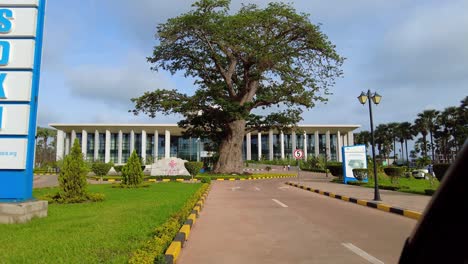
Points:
x=270 y=58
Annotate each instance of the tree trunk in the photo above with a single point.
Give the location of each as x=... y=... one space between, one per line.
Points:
x=406 y=148
x=432 y=146
x=230 y=149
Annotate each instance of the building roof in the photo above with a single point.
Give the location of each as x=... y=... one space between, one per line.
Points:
x=175 y=130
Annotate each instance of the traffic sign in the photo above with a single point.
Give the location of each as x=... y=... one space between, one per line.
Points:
x=298 y=154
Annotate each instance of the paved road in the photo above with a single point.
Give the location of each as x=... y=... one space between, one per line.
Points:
x=248 y=222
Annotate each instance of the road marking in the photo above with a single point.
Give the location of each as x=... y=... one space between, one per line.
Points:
x=362 y=253
x=284 y=187
x=280 y=203
x=257 y=189
x=234 y=188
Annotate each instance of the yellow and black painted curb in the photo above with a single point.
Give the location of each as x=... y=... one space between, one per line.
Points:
x=44 y=174
x=380 y=206
x=254 y=178
x=174 y=249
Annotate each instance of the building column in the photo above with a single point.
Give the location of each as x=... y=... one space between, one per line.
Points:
x=156 y=145
x=248 y=143
x=107 y=157
x=96 y=145
x=143 y=146
x=167 y=147
x=132 y=141
x=327 y=144
x=270 y=144
x=338 y=146
x=119 y=147
x=198 y=140
x=259 y=145
x=293 y=142
x=84 y=143
x=305 y=146
x=317 y=144
x=67 y=145
x=60 y=145
x=350 y=138
x=73 y=137
x=282 y=144
x=345 y=140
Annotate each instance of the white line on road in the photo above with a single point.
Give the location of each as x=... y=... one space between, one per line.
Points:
x=280 y=203
x=362 y=253
x=284 y=187
x=234 y=188
x=257 y=189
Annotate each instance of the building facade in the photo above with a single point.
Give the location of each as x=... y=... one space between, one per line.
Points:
x=115 y=142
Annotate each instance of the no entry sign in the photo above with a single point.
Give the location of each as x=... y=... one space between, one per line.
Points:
x=298 y=154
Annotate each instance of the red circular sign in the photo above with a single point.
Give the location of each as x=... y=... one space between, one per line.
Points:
x=298 y=154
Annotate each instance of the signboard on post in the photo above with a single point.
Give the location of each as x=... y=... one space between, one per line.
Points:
x=354 y=157
x=21 y=31
x=298 y=154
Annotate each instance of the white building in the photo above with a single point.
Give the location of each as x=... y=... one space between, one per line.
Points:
x=115 y=142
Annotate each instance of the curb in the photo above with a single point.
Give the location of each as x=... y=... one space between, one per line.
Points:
x=216 y=179
x=376 y=205
x=44 y=174
x=174 y=249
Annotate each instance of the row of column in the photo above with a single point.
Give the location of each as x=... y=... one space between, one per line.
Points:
x=342 y=140
x=64 y=143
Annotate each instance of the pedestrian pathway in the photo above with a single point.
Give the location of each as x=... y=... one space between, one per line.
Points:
x=409 y=201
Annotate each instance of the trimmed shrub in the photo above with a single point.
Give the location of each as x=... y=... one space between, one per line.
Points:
x=118 y=168
x=335 y=168
x=360 y=174
x=440 y=170
x=72 y=180
x=206 y=180
x=429 y=191
x=268 y=168
x=394 y=172
x=132 y=173
x=101 y=168
x=193 y=167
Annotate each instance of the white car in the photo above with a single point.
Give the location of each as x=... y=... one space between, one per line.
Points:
x=420 y=173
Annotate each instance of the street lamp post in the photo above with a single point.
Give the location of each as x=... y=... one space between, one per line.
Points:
x=376 y=99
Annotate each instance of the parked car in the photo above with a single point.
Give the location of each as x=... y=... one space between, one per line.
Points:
x=420 y=174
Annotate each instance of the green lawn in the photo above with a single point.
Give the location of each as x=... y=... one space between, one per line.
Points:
x=103 y=232
x=410 y=184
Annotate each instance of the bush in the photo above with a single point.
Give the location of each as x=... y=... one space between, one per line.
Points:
x=132 y=173
x=101 y=168
x=205 y=180
x=360 y=174
x=440 y=170
x=193 y=167
x=394 y=172
x=335 y=168
x=72 y=180
x=268 y=168
x=118 y=168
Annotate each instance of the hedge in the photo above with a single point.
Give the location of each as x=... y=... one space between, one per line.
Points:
x=440 y=170
x=394 y=171
x=360 y=174
x=154 y=249
x=335 y=168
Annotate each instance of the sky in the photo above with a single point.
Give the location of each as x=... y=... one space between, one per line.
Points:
x=413 y=53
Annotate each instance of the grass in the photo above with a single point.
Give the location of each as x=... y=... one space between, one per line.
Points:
x=103 y=232
x=410 y=185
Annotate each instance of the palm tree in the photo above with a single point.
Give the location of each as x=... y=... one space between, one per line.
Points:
x=430 y=117
x=393 y=133
x=405 y=134
x=363 y=137
x=421 y=126
x=383 y=140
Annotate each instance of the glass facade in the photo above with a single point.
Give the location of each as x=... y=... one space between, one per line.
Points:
x=102 y=147
x=79 y=136
x=300 y=141
x=265 y=147
x=149 y=148
x=276 y=146
x=310 y=145
x=288 y=146
x=114 y=147
x=90 y=147
x=322 y=144
x=333 y=145
x=161 y=146
x=137 y=144
x=125 y=147
x=254 y=147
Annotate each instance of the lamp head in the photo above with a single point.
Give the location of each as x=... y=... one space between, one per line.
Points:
x=362 y=98
x=376 y=98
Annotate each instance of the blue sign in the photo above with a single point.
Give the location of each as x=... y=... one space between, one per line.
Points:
x=354 y=157
x=21 y=32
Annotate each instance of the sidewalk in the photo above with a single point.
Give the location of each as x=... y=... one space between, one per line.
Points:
x=409 y=201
